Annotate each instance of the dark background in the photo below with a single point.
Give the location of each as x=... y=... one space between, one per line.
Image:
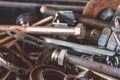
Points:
x=9 y=14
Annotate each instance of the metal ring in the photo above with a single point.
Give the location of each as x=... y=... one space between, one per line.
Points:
x=11 y=63
x=39 y=72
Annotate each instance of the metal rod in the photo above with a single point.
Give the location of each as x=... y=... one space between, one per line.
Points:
x=43 y=21
x=61 y=56
x=8 y=38
x=107 y=77
x=79 y=31
x=79 y=47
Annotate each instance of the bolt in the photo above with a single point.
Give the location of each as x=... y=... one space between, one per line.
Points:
x=61 y=56
x=79 y=31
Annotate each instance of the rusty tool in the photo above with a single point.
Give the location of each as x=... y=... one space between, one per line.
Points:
x=115 y=25
x=112 y=44
x=26 y=38
x=43 y=21
x=6 y=39
x=11 y=64
x=92 y=22
x=61 y=56
x=79 y=31
x=4 y=73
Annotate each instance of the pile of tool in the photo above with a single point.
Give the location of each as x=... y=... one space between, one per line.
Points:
x=65 y=45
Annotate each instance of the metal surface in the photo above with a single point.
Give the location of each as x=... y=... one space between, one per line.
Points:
x=106 y=14
x=27 y=19
x=66 y=18
x=79 y=47
x=104 y=37
x=79 y=31
x=75 y=60
x=31 y=40
x=43 y=21
x=106 y=77
x=88 y=51
x=89 y=22
x=92 y=23
x=112 y=44
x=11 y=65
x=38 y=73
x=6 y=39
x=115 y=25
x=53 y=9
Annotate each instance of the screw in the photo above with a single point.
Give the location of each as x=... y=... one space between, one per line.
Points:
x=79 y=31
x=61 y=56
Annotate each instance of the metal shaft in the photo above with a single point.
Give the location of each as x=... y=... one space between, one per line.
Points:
x=92 y=22
x=44 y=21
x=61 y=56
x=53 y=9
x=79 y=31
x=113 y=71
x=79 y=47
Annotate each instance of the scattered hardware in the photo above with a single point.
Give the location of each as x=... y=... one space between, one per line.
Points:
x=61 y=40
